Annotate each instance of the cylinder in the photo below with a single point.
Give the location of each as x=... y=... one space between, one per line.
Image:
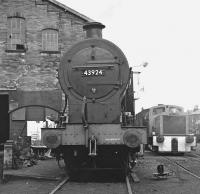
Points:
x=93 y=30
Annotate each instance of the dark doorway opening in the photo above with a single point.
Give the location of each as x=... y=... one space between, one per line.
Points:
x=174 y=145
x=4 y=119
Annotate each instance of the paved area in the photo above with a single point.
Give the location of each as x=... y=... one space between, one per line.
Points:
x=178 y=182
x=44 y=169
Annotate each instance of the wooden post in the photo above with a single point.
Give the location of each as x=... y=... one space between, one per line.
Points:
x=8 y=154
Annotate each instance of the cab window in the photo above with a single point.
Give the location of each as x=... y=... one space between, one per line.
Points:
x=158 y=110
x=175 y=110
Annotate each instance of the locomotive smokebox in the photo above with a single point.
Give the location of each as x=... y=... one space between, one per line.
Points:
x=93 y=30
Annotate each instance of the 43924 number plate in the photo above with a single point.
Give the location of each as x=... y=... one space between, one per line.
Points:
x=93 y=72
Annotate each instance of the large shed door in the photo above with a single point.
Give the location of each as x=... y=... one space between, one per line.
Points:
x=4 y=118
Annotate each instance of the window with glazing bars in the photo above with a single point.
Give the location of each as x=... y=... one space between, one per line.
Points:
x=16 y=33
x=50 y=40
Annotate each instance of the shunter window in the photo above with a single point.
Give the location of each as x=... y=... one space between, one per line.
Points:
x=158 y=110
x=175 y=110
x=16 y=32
x=50 y=40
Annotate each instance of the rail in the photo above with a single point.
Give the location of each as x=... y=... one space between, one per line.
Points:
x=66 y=180
x=128 y=185
x=59 y=186
x=183 y=168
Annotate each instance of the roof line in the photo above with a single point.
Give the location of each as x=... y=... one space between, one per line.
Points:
x=71 y=10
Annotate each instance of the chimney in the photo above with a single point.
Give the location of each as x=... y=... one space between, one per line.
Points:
x=93 y=29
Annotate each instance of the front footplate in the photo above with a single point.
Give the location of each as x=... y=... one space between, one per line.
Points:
x=105 y=134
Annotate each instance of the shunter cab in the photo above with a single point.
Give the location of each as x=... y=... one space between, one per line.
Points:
x=168 y=129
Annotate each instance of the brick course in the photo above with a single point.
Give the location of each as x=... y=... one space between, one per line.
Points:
x=35 y=70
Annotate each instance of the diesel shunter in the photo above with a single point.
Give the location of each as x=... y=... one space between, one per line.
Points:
x=168 y=129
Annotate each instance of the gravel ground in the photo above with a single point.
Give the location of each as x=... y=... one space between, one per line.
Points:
x=27 y=186
x=91 y=188
x=178 y=182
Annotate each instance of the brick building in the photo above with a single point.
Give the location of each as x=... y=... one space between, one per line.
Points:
x=34 y=34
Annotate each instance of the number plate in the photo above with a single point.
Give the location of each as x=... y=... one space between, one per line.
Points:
x=93 y=72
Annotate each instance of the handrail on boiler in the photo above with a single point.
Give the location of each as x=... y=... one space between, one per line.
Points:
x=84 y=119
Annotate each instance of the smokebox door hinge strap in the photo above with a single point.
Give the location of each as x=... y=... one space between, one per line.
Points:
x=84 y=112
x=84 y=119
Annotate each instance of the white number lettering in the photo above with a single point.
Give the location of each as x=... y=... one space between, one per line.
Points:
x=100 y=72
x=89 y=72
x=85 y=72
x=93 y=72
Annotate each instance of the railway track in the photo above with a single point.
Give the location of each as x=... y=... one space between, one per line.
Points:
x=185 y=169
x=66 y=180
x=59 y=186
x=129 y=189
x=194 y=156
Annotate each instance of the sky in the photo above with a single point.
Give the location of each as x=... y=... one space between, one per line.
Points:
x=163 y=33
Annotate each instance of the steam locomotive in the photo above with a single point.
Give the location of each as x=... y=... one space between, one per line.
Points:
x=168 y=129
x=99 y=133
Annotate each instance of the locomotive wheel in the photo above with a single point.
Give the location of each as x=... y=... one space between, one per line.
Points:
x=74 y=158
x=113 y=157
x=116 y=158
x=70 y=167
x=155 y=148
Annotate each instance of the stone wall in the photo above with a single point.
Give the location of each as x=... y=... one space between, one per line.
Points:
x=33 y=69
